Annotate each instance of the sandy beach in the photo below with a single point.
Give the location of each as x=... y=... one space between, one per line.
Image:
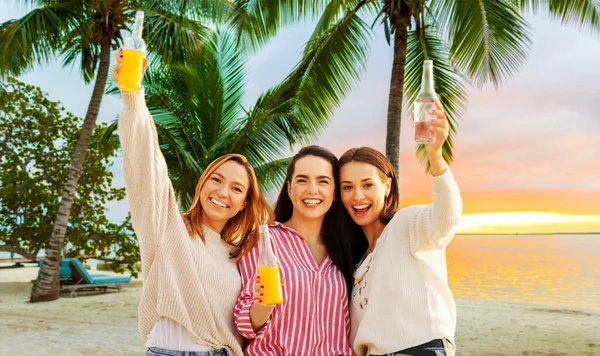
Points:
x=106 y=324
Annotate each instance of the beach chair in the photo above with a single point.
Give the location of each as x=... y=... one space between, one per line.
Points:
x=75 y=278
x=81 y=280
x=64 y=270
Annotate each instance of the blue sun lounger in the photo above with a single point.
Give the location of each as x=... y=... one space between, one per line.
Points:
x=74 y=277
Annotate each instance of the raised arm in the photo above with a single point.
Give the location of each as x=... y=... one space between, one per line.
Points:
x=144 y=168
x=433 y=226
x=149 y=192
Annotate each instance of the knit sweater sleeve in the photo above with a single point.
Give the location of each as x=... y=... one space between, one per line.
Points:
x=432 y=227
x=147 y=183
x=248 y=266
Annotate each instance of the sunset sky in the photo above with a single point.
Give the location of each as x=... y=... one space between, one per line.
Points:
x=527 y=156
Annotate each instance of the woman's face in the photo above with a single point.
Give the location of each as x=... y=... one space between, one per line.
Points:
x=311 y=187
x=363 y=191
x=224 y=195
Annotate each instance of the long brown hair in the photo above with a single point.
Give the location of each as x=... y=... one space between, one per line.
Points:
x=378 y=160
x=240 y=230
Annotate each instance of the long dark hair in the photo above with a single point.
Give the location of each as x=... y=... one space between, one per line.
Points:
x=391 y=203
x=335 y=224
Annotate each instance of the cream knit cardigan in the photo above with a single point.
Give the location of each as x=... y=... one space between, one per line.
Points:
x=194 y=284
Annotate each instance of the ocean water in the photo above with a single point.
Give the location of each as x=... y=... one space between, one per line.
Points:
x=562 y=270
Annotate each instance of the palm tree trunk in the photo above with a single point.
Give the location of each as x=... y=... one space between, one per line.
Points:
x=392 y=140
x=46 y=287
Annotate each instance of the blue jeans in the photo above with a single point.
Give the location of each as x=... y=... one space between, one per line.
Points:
x=155 y=351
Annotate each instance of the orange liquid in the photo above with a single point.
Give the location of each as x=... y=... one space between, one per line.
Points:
x=271 y=279
x=132 y=70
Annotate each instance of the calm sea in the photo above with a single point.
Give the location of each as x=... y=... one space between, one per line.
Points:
x=561 y=270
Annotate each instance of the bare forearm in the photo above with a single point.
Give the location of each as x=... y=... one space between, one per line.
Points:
x=437 y=164
x=259 y=314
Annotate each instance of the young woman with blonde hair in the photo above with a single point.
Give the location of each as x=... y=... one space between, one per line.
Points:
x=189 y=260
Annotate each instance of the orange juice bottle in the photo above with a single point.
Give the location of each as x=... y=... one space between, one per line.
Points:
x=268 y=270
x=134 y=51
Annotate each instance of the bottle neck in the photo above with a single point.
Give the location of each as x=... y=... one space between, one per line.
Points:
x=267 y=256
x=137 y=27
x=427 y=86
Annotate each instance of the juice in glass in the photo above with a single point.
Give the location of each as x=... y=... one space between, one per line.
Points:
x=132 y=70
x=270 y=277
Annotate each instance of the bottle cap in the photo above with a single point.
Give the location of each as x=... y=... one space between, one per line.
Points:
x=139 y=14
x=428 y=62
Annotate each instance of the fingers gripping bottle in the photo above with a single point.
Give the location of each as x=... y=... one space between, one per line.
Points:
x=425 y=103
x=134 y=51
x=268 y=270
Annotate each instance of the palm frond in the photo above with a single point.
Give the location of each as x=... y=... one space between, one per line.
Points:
x=79 y=45
x=331 y=14
x=232 y=67
x=582 y=14
x=34 y=38
x=172 y=37
x=271 y=174
x=489 y=38
x=448 y=85
x=210 y=11
x=298 y=108
x=257 y=21
x=331 y=66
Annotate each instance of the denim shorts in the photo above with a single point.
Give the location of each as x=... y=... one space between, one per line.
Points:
x=155 y=351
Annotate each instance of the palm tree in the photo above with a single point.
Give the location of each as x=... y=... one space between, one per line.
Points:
x=86 y=31
x=482 y=41
x=199 y=113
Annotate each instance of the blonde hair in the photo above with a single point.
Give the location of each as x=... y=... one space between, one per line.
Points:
x=240 y=230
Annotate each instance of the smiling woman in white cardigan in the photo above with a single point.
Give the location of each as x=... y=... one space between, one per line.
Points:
x=401 y=303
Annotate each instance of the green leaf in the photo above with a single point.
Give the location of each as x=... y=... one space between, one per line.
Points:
x=489 y=38
x=213 y=11
x=331 y=66
x=256 y=21
x=172 y=37
x=34 y=38
x=582 y=14
x=272 y=174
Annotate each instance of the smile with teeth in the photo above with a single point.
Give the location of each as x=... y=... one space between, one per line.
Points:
x=312 y=201
x=218 y=203
x=362 y=209
x=359 y=207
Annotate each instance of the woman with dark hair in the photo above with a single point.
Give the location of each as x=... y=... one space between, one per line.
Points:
x=401 y=303
x=314 y=258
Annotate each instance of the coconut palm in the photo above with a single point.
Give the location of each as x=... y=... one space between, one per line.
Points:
x=85 y=32
x=199 y=113
x=482 y=41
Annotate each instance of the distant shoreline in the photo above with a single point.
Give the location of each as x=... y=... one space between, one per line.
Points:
x=528 y=234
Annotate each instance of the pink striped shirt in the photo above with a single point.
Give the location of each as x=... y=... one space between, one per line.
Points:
x=314 y=317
